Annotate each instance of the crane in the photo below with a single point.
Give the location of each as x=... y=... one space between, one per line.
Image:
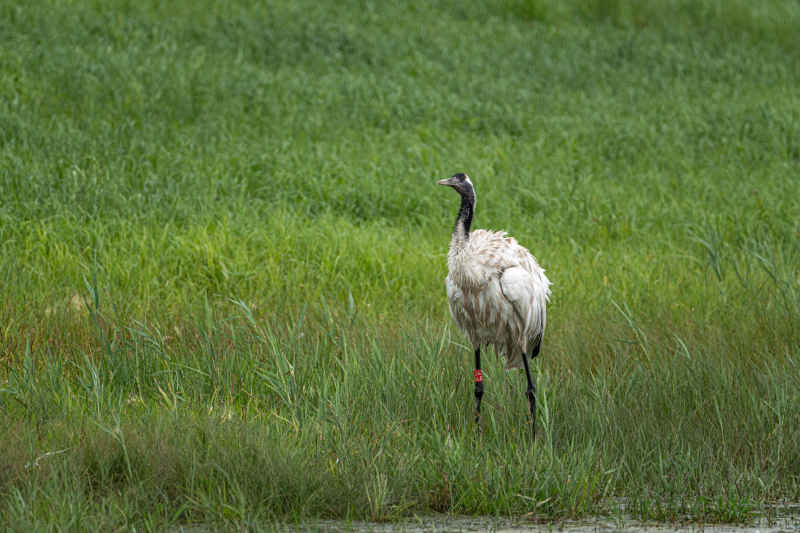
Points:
x=497 y=292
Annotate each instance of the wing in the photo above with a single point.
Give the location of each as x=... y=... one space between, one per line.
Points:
x=528 y=296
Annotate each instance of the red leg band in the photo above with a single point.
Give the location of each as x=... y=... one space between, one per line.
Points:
x=478 y=375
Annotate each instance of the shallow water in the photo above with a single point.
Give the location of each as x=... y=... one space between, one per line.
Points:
x=785 y=520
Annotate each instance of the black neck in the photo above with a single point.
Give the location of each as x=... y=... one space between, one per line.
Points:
x=465 y=214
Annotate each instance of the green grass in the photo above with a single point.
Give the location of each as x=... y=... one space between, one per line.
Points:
x=222 y=255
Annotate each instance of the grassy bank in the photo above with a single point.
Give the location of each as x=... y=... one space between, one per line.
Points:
x=222 y=256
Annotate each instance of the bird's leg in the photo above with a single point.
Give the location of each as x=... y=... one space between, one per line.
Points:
x=478 y=384
x=531 y=392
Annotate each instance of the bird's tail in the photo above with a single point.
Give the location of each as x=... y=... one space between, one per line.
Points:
x=513 y=355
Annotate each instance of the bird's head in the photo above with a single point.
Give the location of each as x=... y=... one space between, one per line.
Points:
x=461 y=183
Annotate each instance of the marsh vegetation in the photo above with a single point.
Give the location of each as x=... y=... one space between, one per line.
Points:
x=222 y=255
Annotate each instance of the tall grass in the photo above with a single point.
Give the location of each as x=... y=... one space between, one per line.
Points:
x=222 y=254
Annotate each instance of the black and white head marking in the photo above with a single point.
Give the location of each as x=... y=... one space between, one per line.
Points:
x=461 y=183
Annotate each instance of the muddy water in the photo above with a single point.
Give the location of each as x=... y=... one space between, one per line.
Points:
x=788 y=522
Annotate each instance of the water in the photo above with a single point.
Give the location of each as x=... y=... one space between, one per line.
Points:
x=784 y=520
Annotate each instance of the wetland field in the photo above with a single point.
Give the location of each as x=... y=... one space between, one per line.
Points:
x=223 y=251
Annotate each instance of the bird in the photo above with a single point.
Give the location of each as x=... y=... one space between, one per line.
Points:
x=497 y=293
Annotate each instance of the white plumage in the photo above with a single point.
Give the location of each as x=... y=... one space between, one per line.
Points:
x=497 y=291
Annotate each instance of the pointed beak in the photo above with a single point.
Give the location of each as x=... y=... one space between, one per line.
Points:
x=448 y=181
